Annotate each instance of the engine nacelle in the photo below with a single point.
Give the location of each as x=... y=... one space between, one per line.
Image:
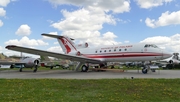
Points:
x=175 y=56
x=76 y=53
x=85 y=45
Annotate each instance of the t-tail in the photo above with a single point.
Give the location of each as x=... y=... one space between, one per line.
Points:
x=65 y=42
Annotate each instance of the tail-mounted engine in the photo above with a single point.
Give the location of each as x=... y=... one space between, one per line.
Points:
x=85 y=45
x=78 y=53
x=175 y=56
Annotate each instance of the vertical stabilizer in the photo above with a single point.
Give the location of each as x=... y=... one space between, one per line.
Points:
x=65 y=42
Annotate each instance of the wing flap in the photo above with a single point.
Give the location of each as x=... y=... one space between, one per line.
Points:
x=52 y=54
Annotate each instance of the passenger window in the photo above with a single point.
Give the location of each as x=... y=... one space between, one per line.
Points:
x=119 y=49
x=104 y=50
x=96 y=51
x=114 y=50
x=100 y=51
x=125 y=49
x=109 y=50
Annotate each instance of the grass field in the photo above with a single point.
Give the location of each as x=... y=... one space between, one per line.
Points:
x=101 y=90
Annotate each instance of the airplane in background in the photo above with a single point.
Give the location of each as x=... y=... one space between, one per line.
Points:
x=51 y=63
x=99 y=55
x=46 y=62
x=170 y=62
x=26 y=62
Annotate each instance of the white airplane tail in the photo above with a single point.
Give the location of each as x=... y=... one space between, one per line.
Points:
x=65 y=42
x=175 y=56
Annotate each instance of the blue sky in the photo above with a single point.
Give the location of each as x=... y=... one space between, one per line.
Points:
x=98 y=22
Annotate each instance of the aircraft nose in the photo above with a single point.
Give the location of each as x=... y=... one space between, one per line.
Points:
x=166 y=55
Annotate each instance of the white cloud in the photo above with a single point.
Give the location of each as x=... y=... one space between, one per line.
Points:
x=157 y=40
x=25 y=41
x=24 y=30
x=55 y=43
x=83 y=20
x=108 y=5
x=165 y=19
x=4 y=3
x=93 y=38
x=140 y=20
x=126 y=41
x=85 y=23
x=2 y=12
x=98 y=40
x=171 y=44
x=1 y=23
x=56 y=49
x=151 y=3
x=12 y=53
x=109 y=36
x=150 y=23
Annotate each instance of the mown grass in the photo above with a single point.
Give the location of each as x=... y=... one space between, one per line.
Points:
x=101 y=90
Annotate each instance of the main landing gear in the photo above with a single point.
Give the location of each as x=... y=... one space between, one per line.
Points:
x=20 y=69
x=84 y=68
x=145 y=69
x=35 y=68
x=36 y=62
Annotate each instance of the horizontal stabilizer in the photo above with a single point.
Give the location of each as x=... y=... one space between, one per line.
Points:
x=53 y=36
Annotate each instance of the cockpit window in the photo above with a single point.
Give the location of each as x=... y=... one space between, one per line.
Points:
x=151 y=45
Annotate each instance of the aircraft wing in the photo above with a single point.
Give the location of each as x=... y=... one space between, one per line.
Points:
x=9 y=63
x=52 y=54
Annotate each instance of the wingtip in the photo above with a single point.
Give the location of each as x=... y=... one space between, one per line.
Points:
x=10 y=46
x=44 y=34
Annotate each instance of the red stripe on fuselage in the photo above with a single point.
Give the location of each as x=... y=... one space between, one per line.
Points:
x=121 y=55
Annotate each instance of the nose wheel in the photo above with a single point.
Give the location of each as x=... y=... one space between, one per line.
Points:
x=36 y=62
x=35 y=69
x=20 y=69
x=145 y=69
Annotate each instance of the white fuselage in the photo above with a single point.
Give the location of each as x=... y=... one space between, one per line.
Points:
x=128 y=52
x=28 y=62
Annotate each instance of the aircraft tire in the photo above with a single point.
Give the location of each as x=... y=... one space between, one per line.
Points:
x=51 y=67
x=84 y=68
x=144 y=70
x=35 y=69
x=20 y=70
x=12 y=66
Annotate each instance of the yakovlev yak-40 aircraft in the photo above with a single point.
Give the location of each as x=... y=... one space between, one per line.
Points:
x=100 y=55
